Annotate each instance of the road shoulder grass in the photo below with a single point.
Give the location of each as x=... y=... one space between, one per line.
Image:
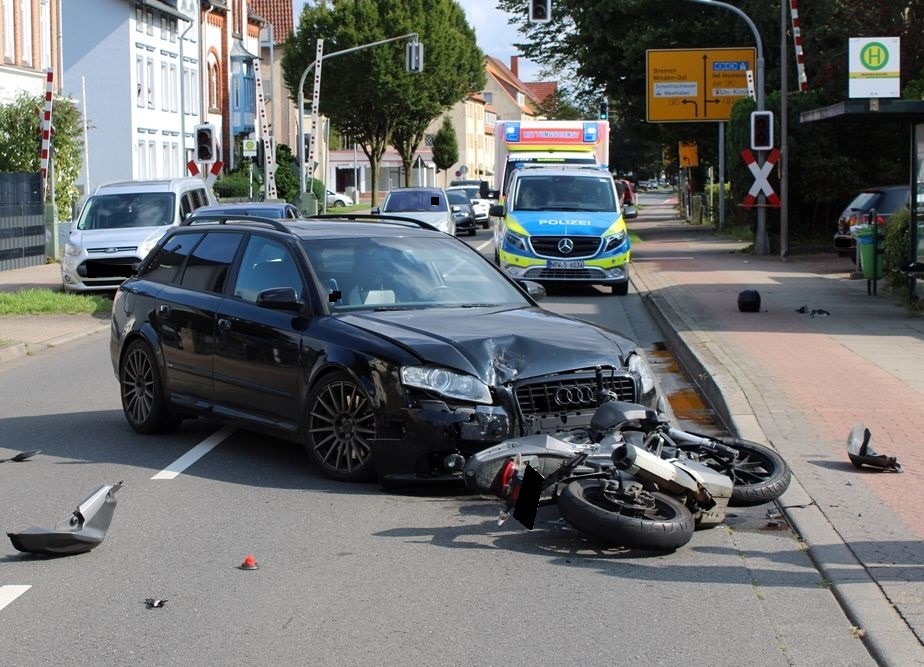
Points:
x=49 y=302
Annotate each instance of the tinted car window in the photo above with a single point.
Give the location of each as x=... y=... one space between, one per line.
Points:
x=266 y=264
x=146 y=209
x=457 y=197
x=414 y=202
x=208 y=266
x=166 y=262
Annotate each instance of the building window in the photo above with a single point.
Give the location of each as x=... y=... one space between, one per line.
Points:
x=214 y=86
x=45 y=22
x=488 y=97
x=175 y=158
x=149 y=80
x=149 y=22
x=25 y=8
x=142 y=160
x=139 y=76
x=9 y=41
x=152 y=159
x=139 y=19
x=164 y=86
x=172 y=30
x=238 y=17
x=428 y=140
x=173 y=87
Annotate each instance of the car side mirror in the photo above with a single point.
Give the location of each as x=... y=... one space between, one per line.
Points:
x=456 y=208
x=280 y=298
x=496 y=210
x=376 y=211
x=630 y=212
x=493 y=194
x=534 y=289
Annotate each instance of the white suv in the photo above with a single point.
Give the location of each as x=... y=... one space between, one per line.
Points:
x=120 y=223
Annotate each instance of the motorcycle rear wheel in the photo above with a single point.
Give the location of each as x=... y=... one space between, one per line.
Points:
x=760 y=475
x=665 y=526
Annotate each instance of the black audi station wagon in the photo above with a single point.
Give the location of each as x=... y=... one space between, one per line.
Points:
x=387 y=348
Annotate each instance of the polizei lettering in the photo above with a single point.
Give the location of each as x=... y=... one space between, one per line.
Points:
x=559 y=221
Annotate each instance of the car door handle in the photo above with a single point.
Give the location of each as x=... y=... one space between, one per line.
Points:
x=224 y=325
x=164 y=310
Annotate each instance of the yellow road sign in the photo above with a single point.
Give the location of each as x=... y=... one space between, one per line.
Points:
x=696 y=85
x=689 y=154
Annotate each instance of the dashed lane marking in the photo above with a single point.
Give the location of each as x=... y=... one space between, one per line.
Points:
x=11 y=592
x=194 y=454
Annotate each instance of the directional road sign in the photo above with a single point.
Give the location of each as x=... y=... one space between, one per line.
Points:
x=696 y=85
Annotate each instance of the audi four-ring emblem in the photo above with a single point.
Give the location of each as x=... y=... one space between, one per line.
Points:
x=566 y=396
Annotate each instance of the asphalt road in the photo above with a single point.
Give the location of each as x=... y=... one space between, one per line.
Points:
x=350 y=574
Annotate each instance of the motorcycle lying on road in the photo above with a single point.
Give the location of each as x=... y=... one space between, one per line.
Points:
x=630 y=479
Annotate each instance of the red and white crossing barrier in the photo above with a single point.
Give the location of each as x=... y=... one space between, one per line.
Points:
x=797 y=38
x=213 y=173
x=193 y=168
x=46 y=129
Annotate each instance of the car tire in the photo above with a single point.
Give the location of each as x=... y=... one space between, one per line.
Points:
x=473 y=231
x=620 y=289
x=338 y=204
x=339 y=428
x=142 y=391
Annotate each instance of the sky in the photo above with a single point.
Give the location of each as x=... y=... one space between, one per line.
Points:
x=495 y=37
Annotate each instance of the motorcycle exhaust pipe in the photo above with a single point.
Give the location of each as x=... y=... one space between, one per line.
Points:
x=647 y=466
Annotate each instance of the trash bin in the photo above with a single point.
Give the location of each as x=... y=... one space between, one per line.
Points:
x=869 y=249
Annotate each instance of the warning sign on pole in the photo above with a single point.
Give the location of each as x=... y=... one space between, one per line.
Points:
x=761 y=184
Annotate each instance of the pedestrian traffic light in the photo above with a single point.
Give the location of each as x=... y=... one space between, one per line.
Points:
x=761 y=130
x=206 y=146
x=604 y=110
x=414 y=54
x=540 y=11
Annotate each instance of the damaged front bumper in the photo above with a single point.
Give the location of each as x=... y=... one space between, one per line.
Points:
x=435 y=440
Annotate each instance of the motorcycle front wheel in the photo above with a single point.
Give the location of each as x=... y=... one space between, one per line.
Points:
x=760 y=475
x=654 y=521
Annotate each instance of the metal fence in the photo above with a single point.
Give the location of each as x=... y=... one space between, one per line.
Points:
x=23 y=234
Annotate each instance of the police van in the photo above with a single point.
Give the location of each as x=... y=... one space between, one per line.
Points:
x=563 y=225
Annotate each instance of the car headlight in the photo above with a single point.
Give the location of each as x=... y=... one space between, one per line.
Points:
x=614 y=241
x=446 y=383
x=640 y=368
x=71 y=248
x=517 y=241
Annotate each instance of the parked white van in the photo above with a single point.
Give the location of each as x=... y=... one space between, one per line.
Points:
x=120 y=223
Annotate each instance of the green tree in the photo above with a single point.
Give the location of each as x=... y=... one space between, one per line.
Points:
x=445 y=147
x=21 y=143
x=366 y=94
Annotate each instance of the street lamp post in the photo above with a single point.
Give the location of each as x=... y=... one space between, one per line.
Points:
x=761 y=246
x=301 y=98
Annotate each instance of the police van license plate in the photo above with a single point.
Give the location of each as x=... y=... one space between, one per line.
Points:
x=566 y=264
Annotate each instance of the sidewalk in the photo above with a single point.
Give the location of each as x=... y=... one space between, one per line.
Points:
x=801 y=382
x=20 y=335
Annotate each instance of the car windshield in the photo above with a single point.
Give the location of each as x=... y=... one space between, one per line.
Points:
x=419 y=201
x=407 y=274
x=457 y=197
x=564 y=193
x=117 y=211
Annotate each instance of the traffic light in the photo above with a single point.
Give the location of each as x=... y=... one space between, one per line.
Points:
x=604 y=109
x=761 y=130
x=414 y=55
x=206 y=145
x=540 y=11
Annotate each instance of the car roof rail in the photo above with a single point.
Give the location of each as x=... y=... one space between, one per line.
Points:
x=234 y=218
x=371 y=217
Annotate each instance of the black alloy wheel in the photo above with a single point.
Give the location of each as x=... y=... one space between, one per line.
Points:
x=340 y=428
x=142 y=391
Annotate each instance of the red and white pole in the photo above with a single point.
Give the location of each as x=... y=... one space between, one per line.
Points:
x=193 y=168
x=213 y=173
x=46 y=129
x=797 y=38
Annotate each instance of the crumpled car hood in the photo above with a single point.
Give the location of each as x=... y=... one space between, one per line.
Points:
x=498 y=345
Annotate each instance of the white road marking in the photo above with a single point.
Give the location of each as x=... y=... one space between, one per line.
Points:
x=484 y=244
x=10 y=593
x=194 y=454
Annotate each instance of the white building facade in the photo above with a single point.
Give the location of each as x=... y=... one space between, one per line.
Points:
x=134 y=65
x=30 y=32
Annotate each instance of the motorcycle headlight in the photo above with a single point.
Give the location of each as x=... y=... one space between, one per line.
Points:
x=71 y=248
x=517 y=241
x=446 y=383
x=640 y=368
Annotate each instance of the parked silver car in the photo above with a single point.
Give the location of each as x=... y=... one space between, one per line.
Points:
x=430 y=205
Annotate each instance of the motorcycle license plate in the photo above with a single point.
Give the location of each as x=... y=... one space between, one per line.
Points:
x=566 y=264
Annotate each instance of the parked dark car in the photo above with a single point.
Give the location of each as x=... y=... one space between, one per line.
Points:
x=462 y=212
x=266 y=209
x=384 y=347
x=886 y=201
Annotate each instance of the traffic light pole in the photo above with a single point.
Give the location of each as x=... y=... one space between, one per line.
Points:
x=303 y=180
x=761 y=245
